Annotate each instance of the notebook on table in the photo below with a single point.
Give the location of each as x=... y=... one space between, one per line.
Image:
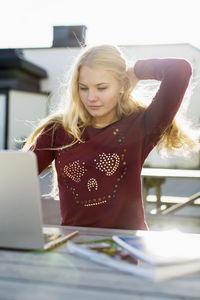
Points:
x=21 y=225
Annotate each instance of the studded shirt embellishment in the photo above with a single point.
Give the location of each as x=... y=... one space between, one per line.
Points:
x=92 y=184
x=115 y=131
x=75 y=170
x=120 y=136
x=108 y=163
x=95 y=203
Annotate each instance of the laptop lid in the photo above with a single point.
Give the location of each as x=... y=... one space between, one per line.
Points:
x=20 y=207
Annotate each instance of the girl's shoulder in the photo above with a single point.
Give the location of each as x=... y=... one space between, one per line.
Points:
x=59 y=134
x=55 y=129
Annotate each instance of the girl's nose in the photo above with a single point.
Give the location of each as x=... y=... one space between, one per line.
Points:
x=91 y=95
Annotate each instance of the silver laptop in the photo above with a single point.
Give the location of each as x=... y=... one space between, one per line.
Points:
x=21 y=225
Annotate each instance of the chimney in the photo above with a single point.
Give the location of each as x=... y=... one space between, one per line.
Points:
x=69 y=36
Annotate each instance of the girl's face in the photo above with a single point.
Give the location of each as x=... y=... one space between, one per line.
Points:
x=99 y=92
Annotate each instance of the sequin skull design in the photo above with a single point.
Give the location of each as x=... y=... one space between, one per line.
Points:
x=107 y=164
x=104 y=165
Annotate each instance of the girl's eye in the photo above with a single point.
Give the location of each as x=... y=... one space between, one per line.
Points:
x=102 y=88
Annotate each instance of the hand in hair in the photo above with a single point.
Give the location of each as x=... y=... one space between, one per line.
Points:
x=132 y=77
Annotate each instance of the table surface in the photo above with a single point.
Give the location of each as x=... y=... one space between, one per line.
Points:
x=59 y=275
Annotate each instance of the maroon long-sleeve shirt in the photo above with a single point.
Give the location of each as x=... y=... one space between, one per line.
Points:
x=99 y=180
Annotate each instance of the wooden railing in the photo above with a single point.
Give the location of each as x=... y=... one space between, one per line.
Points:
x=155 y=177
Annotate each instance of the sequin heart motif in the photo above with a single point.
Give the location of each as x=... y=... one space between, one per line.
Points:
x=108 y=163
x=75 y=170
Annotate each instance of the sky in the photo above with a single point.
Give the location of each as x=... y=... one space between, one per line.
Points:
x=29 y=23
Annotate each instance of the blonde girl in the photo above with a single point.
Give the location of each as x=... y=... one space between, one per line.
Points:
x=100 y=140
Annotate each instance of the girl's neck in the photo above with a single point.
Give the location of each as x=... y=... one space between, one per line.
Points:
x=104 y=123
